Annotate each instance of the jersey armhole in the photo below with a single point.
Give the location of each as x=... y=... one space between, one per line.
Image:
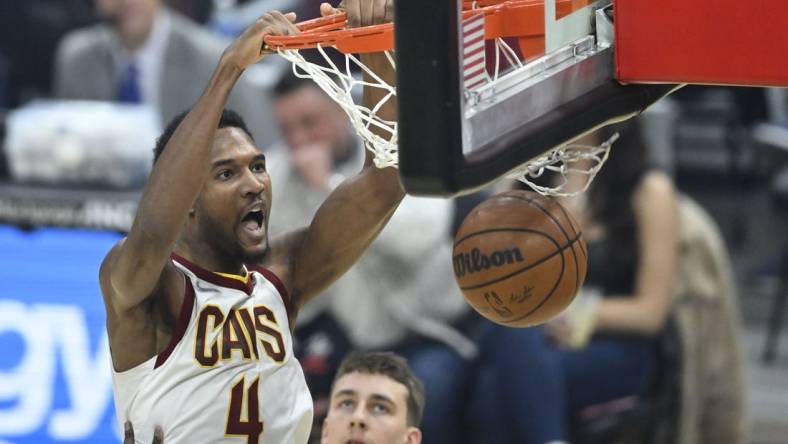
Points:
x=280 y=287
x=180 y=325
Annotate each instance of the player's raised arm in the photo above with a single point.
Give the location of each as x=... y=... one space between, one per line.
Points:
x=133 y=269
x=358 y=209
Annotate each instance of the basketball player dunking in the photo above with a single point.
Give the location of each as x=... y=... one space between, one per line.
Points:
x=200 y=305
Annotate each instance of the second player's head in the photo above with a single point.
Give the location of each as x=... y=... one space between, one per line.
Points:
x=375 y=398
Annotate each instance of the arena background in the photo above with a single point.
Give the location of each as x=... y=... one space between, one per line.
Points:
x=728 y=148
x=55 y=379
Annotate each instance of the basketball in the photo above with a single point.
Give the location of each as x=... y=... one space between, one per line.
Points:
x=519 y=258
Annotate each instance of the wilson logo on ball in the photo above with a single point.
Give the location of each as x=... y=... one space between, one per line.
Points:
x=475 y=260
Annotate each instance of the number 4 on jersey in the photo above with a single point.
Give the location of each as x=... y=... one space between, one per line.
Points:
x=251 y=427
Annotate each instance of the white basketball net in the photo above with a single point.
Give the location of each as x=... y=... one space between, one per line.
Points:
x=339 y=84
x=572 y=160
x=342 y=86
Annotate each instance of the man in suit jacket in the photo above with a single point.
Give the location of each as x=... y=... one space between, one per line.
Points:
x=146 y=53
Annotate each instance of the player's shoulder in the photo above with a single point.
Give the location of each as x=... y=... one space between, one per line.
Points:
x=169 y=273
x=280 y=259
x=280 y=254
x=109 y=260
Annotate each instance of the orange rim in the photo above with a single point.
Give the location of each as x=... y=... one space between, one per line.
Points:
x=562 y=7
x=511 y=18
x=332 y=31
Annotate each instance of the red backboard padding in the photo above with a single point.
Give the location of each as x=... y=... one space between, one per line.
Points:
x=735 y=42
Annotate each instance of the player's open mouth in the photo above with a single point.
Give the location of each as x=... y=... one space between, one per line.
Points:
x=253 y=222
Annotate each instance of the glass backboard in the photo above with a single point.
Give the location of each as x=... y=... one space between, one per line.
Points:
x=548 y=77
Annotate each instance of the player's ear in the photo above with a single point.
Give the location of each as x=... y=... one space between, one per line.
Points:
x=413 y=436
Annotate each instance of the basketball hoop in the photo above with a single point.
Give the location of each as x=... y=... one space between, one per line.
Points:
x=339 y=82
x=496 y=20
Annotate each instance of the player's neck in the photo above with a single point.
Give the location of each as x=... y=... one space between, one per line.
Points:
x=206 y=258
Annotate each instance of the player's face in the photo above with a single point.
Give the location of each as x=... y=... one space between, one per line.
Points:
x=233 y=208
x=308 y=117
x=368 y=409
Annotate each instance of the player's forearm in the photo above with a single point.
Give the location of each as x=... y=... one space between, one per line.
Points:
x=181 y=170
x=170 y=192
x=342 y=229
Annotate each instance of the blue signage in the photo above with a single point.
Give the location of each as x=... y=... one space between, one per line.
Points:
x=55 y=378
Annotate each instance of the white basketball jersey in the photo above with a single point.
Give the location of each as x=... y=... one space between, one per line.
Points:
x=228 y=374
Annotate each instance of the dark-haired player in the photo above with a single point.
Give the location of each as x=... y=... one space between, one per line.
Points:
x=200 y=304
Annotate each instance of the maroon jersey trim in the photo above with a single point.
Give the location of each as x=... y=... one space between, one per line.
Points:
x=274 y=279
x=180 y=325
x=214 y=278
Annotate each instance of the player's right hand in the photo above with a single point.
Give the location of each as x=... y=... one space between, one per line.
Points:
x=249 y=47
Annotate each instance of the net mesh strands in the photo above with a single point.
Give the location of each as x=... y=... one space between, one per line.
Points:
x=342 y=83
x=573 y=159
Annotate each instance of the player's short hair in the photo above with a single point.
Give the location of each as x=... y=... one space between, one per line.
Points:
x=229 y=119
x=390 y=365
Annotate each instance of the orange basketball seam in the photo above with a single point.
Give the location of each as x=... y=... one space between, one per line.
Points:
x=559 y=250
x=548 y=213
x=561 y=228
x=547 y=296
x=494 y=230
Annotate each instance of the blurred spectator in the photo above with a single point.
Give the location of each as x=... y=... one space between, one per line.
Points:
x=713 y=395
x=401 y=295
x=230 y=17
x=29 y=32
x=605 y=347
x=198 y=10
x=777 y=102
x=145 y=53
x=309 y=9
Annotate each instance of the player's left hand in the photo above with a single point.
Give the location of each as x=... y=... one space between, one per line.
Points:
x=128 y=435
